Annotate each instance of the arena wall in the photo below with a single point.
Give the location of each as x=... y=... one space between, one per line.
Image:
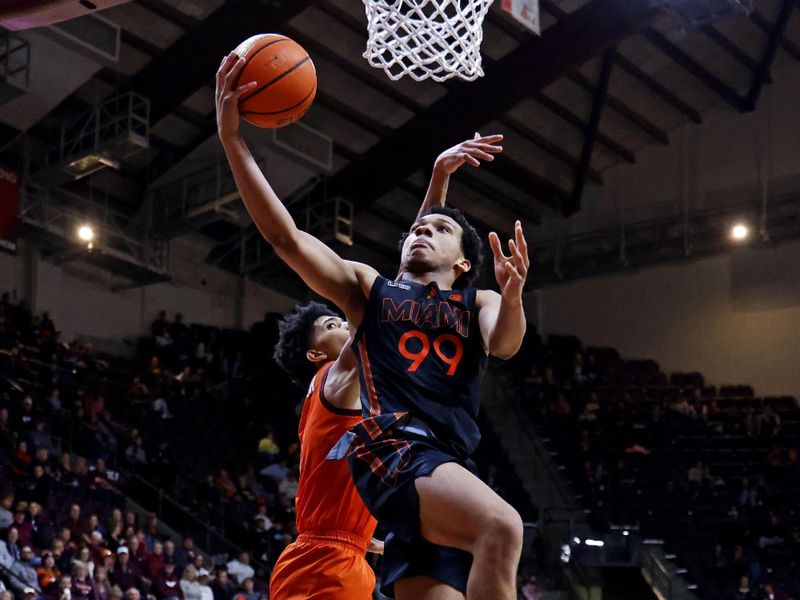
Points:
x=735 y=317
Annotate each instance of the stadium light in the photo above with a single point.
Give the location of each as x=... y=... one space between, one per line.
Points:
x=740 y=232
x=596 y=543
x=86 y=233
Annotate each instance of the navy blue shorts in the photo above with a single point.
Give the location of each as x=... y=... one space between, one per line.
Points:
x=388 y=454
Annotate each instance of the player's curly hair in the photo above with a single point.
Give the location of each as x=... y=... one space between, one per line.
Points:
x=471 y=244
x=294 y=333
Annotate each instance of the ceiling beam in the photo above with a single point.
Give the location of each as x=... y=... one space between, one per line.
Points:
x=787 y=45
x=761 y=75
x=548 y=146
x=537 y=62
x=694 y=68
x=726 y=44
x=657 y=88
x=643 y=123
x=574 y=120
x=574 y=204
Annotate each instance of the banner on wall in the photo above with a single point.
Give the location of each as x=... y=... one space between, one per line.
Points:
x=9 y=208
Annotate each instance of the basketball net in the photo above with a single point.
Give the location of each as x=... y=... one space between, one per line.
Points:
x=426 y=39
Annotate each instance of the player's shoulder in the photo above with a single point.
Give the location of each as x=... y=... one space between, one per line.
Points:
x=365 y=275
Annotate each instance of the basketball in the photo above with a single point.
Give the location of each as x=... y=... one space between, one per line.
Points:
x=286 y=77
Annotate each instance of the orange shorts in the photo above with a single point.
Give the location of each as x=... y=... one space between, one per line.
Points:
x=328 y=566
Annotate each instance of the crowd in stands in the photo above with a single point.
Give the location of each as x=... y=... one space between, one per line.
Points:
x=713 y=472
x=201 y=415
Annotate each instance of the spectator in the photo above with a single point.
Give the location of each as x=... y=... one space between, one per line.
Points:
x=125 y=574
x=48 y=574
x=23 y=570
x=74 y=523
x=222 y=587
x=133 y=594
x=85 y=558
x=10 y=549
x=62 y=556
x=6 y=516
x=21 y=461
x=277 y=472
x=82 y=584
x=186 y=553
x=203 y=580
x=248 y=591
x=151 y=531
x=189 y=585
x=102 y=585
x=240 y=569
x=166 y=584
x=24 y=528
x=65 y=587
x=135 y=453
x=289 y=487
x=155 y=561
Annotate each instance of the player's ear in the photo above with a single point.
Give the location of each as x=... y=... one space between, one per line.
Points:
x=462 y=266
x=316 y=356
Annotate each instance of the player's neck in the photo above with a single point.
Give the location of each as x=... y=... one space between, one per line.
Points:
x=443 y=280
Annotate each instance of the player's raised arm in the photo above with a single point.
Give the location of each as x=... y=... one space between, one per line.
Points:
x=472 y=152
x=502 y=317
x=343 y=282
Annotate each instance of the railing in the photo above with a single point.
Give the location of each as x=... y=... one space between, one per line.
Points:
x=172 y=513
x=659 y=576
x=500 y=395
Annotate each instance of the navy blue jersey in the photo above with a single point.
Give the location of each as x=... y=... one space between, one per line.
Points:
x=420 y=352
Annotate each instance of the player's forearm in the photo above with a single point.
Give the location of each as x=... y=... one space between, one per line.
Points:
x=437 y=191
x=265 y=208
x=509 y=328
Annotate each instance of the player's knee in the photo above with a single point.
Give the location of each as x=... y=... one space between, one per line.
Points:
x=504 y=530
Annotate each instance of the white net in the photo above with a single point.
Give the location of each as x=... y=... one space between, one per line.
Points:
x=436 y=39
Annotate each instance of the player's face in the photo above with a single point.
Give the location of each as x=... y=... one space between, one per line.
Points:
x=329 y=336
x=432 y=244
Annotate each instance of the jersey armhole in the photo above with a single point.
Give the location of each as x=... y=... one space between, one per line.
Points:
x=344 y=412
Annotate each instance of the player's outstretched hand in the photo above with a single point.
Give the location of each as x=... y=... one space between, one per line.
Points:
x=227 y=98
x=511 y=271
x=472 y=151
x=375 y=546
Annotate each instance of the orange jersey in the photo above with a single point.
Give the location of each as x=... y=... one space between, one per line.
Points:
x=327 y=499
x=327 y=561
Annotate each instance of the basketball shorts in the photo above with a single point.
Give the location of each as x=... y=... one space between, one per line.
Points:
x=324 y=566
x=385 y=462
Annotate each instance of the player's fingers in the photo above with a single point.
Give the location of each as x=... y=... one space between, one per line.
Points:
x=480 y=154
x=494 y=244
x=477 y=136
x=224 y=68
x=489 y=148
x=472 y=160
x=237 y=93
x=489 y=139
x=233 y=74
x=517 y=258
x=522 y=243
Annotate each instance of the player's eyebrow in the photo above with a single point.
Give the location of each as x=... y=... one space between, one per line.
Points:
x=328 y=320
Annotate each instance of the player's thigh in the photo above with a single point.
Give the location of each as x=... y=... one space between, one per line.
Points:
x=425 y=588
x=456 y=509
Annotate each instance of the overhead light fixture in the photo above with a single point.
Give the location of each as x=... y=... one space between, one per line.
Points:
x=740 y=232
x=86 y=233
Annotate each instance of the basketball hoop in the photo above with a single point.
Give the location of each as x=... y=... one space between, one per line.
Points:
x=426 y=39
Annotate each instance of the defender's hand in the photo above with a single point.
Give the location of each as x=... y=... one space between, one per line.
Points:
x=471 y=151
x=375 y=546
x=511 y=271
x=227 y=98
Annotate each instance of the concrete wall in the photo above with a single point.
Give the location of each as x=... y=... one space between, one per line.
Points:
x=81 y=302
x=735 y=318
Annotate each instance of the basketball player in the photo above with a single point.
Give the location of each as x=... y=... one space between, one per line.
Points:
x=327 y=559
x=422 y=347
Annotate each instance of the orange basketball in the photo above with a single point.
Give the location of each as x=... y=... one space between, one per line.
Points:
x=287 y=80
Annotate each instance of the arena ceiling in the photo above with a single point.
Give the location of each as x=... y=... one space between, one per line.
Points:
x=606 y=79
